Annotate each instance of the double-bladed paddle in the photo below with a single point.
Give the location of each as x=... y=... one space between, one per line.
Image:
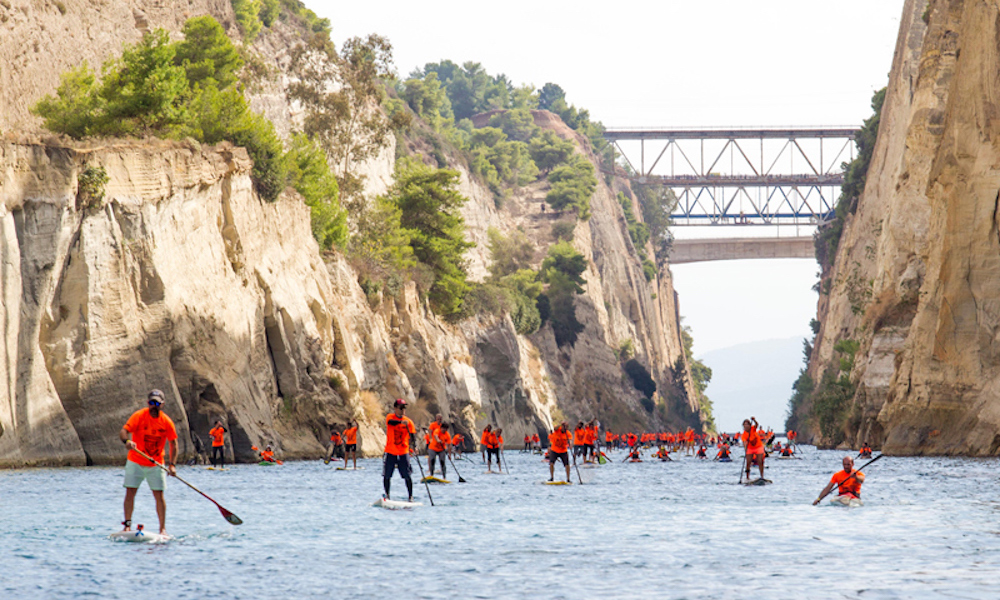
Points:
x=849 y=477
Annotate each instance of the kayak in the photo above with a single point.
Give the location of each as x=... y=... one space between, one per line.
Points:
x=727 y=459
x=847 y=500
x=558 y=483
x=266 y=463
x=139 y=536
x=432 y=479
x=758 y=482
x=395 y=504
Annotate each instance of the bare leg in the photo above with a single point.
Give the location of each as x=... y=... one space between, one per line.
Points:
x=129 y=505
x=552 y=469
x=567 y=472
x=161 y=511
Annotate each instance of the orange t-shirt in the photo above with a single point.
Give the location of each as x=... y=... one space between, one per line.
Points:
x=578 y=437
x=218 y=436
x=485 y=437
x=751 y=439
x=150 y=435
x=535 y=438
x=267 y=455
x=351 y=436
x=397 y=437
x=439 y=439
x=457 y=439
x=590 y=435
x=852 y=487
x=559 y=441
x=608 y=437
x=490 y=439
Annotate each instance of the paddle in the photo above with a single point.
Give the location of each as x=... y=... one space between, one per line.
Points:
x=852 y=476
x=460 y=480
x=424 y=479
x=225 y=513
x=503 y=455
x=578 y=477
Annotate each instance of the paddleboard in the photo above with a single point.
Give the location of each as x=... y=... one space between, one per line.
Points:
x=147 y=537
x=558 y=483
x=395 y=504
x=216 y=469
x=492 y=472
x=432 y=479
x=350 y=468
x=850 y=501
x=758 y=482
x=725 y=460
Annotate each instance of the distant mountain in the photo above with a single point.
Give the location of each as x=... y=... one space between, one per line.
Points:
x=753 y=379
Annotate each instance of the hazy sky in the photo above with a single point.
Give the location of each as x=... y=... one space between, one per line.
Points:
x=671 y=63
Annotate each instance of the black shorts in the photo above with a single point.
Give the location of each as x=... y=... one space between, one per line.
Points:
x=493 y=452
x=391 y=462
x=563 y=456
x=351 y=448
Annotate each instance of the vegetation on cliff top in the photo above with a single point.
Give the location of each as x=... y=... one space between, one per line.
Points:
x=191 y=89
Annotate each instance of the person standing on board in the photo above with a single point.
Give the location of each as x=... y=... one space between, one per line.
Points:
x=351 y=443
x=455 y=450
x=437 y=448
x=847 y=481
x=335 y=441
x=754 y=446
x=492 y=448
x=559 y=449
x=150 y=429
x=482 y=439
x=218 y=434
x=398 y=431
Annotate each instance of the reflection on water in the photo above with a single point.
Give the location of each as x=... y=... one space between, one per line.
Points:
x=685 y=529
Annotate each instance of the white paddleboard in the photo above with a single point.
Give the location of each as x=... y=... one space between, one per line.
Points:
x=395 y=504
x=350 y=469
x=847 y=501
x=147 y=537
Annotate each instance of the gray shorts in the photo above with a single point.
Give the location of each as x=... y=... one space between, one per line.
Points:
x=154 y=476
x=434 y=454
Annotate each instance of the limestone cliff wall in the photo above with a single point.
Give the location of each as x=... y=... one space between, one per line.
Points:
x=182 y=279
x=917 y=274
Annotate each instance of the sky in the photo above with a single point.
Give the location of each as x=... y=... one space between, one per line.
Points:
x=671 y=64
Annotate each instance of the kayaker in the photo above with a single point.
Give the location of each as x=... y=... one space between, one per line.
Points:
x=351 y=443
x=399 y=429
x=848 y=482
x=866 y=451
x=723 y=453
x=267 y=454
x=754 y=446
x=150 y=428
x=787 y=451
x=634 y=455
x=437 y=449
x=663 y=454
x=702 y=452
x=218 y=434
x=559 y=449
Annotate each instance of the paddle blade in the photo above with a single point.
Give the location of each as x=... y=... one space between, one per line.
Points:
x=233 y=519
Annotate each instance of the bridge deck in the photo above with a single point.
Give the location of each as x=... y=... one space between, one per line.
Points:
x=713 y=249
x=729 y=133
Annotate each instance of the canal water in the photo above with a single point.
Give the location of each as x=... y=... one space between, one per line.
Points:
x=684 y=529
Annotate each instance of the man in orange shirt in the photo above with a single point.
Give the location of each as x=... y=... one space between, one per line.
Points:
x=754 y=446
x=579 y=443
x=150 y=429
x=437 y=448
x=335 y=441
x=457 y=442
x=351 y=443
x=399 y=431
x=483 y=438
x=559 y=449
x=492 y=448
x=847 y=481
x=536 y=441
x=218 y=434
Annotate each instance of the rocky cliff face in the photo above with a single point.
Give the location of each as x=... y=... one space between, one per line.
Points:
x=181 y=278
x=917 y=275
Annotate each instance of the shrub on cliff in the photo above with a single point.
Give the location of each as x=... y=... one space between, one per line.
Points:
x=310 y=174
x=563 y=271
x=572 y=186
x=429 y=215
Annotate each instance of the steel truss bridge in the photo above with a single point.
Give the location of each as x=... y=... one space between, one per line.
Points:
x=735 y=176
